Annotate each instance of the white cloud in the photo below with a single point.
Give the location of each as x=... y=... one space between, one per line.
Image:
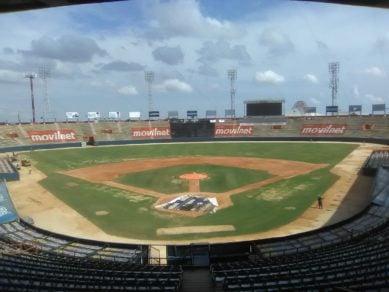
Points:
x=356 y=91
x=127 y=90
x=173 y=85
x=184 y=18
x=223 y=50
x=169 y=55
x=101 y=83
x=269 y=77
x=276 y=42
x=374 y=99
x=123 y=66
x=68 y=48
x=374 y=71
x=8 y=76
x=311 y=78
x=207 y=70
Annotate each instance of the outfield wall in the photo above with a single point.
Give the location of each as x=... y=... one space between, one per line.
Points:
x=106 y=132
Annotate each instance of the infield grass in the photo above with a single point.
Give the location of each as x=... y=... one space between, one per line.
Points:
x=220 y=178
x=131 y=215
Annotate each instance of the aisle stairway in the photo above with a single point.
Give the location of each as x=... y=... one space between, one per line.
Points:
x=197 y=279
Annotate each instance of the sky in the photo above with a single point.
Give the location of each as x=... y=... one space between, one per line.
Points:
x=96 y=56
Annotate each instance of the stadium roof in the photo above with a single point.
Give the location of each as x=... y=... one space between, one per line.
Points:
x=18 y=5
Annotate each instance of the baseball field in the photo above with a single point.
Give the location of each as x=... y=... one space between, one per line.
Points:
x=258 y=186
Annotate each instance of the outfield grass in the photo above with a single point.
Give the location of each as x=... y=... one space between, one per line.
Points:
x=65 y=159
x=220 y=178
x=131 y=215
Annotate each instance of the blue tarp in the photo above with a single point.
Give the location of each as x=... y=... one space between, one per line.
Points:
x=380 y=192
x=7 y=209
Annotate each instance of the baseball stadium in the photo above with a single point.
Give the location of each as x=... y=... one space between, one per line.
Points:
x=261 y=202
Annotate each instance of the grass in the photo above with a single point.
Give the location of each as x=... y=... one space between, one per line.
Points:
x=220 y=178
x=131 y=215
x=65 y=159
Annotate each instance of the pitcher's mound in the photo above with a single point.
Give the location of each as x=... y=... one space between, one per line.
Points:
x=194 y=176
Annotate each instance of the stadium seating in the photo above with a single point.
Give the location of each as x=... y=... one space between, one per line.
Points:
x=30 y=258
x=359 y=262
x=351 y=255
x=20 y=271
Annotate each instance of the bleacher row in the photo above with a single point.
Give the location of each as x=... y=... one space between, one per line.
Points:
x=352 y=255
x=357 y=262
x=378 y=158
x=19 y=232
x=357 y=126
x=47 y=272
x=32 y=259
x=5 y=166
x=17 y=134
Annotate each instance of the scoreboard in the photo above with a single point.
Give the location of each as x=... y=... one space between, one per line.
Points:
x=264 y=108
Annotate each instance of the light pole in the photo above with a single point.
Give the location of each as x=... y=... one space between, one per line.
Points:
x=31 y=76
x=232 y=74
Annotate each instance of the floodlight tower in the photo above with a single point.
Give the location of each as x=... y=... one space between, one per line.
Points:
x=232 y=74
x=149 y=78
x=44 y=74
x=333 y=69
x=31 y=76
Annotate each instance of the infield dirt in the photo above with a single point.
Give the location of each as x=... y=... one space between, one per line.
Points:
x=106 y=173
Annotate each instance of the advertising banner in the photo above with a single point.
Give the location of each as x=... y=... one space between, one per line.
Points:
x=210 y=113
x=332 y=109
x=310 y=110
x=323 y=129
x=378 y=107
x=233 y=130
x=150 y=132
x=114 y=115
x=172 y=114
x=93 y=115
x=49 y=136
x=191 y=114
x=355 y=108
x=72 y=115
x=154 y=114
x=134 y=115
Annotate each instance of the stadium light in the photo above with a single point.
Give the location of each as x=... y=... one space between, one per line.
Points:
x=149 y=78
x=44 y=74
x=333 y=69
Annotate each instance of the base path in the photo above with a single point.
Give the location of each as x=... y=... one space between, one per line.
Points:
x=106 y=173
x=110 y=171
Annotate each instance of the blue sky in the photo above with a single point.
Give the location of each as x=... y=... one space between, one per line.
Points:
x=97 y=56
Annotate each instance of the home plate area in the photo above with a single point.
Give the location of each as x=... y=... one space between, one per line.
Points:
x=191 y=202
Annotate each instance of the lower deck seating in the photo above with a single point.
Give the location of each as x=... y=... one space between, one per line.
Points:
x=31 y=259
x=354 y=255
x=22 y=270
